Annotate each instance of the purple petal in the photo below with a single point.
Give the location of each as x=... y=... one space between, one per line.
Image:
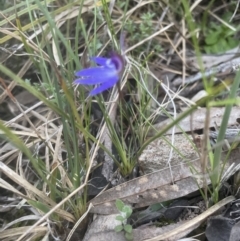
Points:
x=100 y=60
x=88 y=81
x=117 y=61
x=98 y=74
x=111 y=82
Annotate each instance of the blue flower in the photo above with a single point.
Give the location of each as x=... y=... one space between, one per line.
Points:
x=106 y=75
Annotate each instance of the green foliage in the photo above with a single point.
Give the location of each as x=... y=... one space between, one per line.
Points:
x=125 y=213
x=129 y=236
x=126 y=148
x=127 y=210
x=5 y=4
x=120 y=218
x=217 y=168
x=146 y=24
x=119 y=204
x=71 y=108
x=118 y=228
x=97 y=45
x=219 y=38
x=138 y=32
x=128 y=228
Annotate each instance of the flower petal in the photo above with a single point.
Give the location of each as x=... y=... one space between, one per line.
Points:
x=118 y=62
x=100 y=74
x=111 y=82
x=88 y=81
x=99 y=60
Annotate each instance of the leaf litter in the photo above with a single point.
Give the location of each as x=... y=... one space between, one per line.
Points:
x=161 y=179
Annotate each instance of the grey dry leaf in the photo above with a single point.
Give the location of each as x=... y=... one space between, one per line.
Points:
x=102 y=224
x=212 y=60
x=7 y=147
x=23 y=98
x=159 y=154
x=187 y=227
x=157 y=186
x=235 y=232
x=103 y=227
x=196 y=121
x=219 y=228
x=224 y=68
x=149 y=189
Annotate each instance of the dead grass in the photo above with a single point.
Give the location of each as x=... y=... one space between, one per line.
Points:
x=163 y=72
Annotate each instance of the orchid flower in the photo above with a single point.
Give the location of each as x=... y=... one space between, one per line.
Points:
x=106 y=75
